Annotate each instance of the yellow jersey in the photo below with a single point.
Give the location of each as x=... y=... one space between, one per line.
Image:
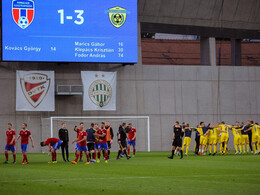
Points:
x=224 y=128
x=255 y=130
x=214 y=132
x=236 y=131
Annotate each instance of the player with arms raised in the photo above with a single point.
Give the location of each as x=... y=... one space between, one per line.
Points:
x=25 y=134
x=131 y=139
x=102 y=142
x=10 y=145
x=81 y=127
x=82 y=145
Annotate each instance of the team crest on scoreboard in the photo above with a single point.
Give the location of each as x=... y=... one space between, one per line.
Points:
x=100 y=93
x=23 y=12
x=35 y=87
x=117 y=16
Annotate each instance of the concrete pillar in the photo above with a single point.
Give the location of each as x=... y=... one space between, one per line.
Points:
x=236 y=52
x=208 y=51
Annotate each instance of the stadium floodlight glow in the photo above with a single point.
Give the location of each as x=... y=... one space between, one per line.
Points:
x=106 y=117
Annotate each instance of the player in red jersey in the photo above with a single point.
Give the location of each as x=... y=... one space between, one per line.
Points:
x=25 y=134
x=81 y=127
x=10 y=145
x=102 y=141
x=53 y=144
x=82 y=146
x=131 y=139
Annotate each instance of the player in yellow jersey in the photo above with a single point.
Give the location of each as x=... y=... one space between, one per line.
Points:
x=224 y=136
x=213 y=139
x=204 y=137
x=255 y=135
x=258 y=146
x=236 y=130
x=219 y=133
x=244 y=137
x=187 y=138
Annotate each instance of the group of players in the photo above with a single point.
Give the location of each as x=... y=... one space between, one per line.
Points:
x=91 y=142
x=213 y=134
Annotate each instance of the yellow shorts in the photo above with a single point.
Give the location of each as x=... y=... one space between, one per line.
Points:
x=224 y=137
x=203 y=140
x=255 y=138
x=218 y=139
x=244 y=139
x=237 y=140
x=213 y=140
x=186 y=141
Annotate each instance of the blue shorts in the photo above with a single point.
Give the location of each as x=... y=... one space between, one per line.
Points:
x=24 y=147
x=131 y=143
x=77 y=146
x=10 y=148
x=102 y=146
x=57 y=145
x=82 y=148
x=96 y=146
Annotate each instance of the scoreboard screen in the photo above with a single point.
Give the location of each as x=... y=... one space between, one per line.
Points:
x=69 y=31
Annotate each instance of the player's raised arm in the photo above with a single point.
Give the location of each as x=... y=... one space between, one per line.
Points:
x=75 y=128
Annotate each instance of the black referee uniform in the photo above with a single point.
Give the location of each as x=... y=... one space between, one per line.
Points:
x=64 y=136
x=122 y=138
x=177 y=142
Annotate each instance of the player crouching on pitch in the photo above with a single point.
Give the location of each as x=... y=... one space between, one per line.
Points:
x=54 y=144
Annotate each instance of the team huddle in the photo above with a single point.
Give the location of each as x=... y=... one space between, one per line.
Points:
x=92 y=142
x=245 y=135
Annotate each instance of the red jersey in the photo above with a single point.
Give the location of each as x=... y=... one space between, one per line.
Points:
x=131 y=134
x=25 y=136
x=52 y=141
x=81 y=135
x=10 y=134
x=102 y=140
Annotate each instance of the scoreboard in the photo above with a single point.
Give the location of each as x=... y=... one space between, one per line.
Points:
x=69 y=31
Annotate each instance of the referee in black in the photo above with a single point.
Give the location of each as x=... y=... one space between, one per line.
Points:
x=64 y=136
x=177 y=139
x=122 y=141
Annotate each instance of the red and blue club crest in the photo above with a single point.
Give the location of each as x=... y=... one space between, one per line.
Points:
x=23 y=12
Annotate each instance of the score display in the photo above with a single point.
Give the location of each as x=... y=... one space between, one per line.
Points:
x=69 y=31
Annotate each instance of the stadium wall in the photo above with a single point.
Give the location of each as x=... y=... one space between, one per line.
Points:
x=165 y=93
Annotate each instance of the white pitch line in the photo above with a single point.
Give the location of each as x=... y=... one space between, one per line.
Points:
x=115 y=178
x=71 y=179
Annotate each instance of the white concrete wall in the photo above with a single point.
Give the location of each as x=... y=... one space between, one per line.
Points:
x=165 y=93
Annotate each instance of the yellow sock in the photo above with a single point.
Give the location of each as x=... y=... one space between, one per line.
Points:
x=195 y=148
x=244 y=149
x=254 y=146
x=215 y=148
x=235 y=147
x=210 y=148
x=225 y=147
x=240 y=148
x=183 y=147
x=247 y=147
x=187 y=149
x=221 y=147
x=258 y=147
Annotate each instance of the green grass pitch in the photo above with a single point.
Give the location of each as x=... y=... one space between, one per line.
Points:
x=147 y=173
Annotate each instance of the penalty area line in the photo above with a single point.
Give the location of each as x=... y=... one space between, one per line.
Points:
x=71 y=179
